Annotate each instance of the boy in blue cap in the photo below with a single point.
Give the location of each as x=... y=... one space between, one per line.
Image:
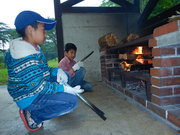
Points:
x=39 y=91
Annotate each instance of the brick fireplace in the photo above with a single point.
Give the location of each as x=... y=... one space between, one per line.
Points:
x=162 y=82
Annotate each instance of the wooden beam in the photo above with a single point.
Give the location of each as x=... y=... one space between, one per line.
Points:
x=70 y=3
x=98 y=10
x=147 y=11
x=59 y=29
x=137 y=5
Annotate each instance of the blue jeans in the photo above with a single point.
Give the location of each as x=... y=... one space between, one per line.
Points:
x=45 y=107
x=78 y=79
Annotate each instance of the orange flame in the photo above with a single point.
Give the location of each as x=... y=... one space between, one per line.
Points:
x=140 y=59
x=138 y=50
x=126 y=66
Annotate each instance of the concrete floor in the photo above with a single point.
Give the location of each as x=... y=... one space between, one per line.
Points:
x=123 y=118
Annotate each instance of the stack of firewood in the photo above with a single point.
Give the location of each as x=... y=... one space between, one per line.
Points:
x=107 y=41
x=130 y=37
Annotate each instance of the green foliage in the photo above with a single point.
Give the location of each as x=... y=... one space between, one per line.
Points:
x=108 y=3
x=13 y=34
x=3 y=76
x=163 y=5
x=53 y=62
x=49 y=47
x=4 y=34
x=2 y=64
x=143 y=4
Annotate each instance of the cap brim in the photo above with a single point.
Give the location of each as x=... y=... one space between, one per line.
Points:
x=49 y=24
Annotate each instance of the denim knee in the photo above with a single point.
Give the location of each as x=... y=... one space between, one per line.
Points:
x=81 y=71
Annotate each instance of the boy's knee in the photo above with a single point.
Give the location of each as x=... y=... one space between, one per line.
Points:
x=82 y=70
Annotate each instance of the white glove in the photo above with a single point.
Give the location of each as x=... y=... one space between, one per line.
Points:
x=73 y=90
x=62 y=78
x=78 y=65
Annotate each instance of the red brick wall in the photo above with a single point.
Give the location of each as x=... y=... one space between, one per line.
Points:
x=108 y=61
x=166 y=64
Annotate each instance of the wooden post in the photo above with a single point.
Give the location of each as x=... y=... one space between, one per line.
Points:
x=137 y=5
x=59 y=29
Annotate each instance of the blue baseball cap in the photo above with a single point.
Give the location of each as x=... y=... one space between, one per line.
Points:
x=26 y=18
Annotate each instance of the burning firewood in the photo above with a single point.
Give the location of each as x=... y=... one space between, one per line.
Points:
x=140 y=58
x=126 y=66
x=127 y=56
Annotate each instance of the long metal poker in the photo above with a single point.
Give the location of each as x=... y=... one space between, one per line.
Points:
x=92 y=106
x=87 y=56
x=87 y=102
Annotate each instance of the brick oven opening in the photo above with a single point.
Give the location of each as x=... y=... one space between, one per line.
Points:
x=135 y=67
x=139 y=59
x=129 y=65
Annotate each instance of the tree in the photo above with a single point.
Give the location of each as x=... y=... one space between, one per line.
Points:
x=13 y=34
x=4 y=34
x=163 y=5
x=49 y=46
x=108 y=3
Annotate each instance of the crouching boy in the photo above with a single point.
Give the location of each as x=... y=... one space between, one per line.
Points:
x=31 y=81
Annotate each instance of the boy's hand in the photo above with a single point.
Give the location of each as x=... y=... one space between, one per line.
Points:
x=73 y=90
x=78 y=65
x=62 y=78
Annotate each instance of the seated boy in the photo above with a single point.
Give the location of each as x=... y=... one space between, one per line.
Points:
x=76 y=70
x=31 y=81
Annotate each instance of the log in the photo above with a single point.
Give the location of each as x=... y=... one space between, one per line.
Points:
x=108 y=40
x=125 y=66
x=130 y=37
x=127 y=56
x=134 y=56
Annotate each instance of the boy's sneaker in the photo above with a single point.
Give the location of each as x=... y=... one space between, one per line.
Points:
x=28 y=121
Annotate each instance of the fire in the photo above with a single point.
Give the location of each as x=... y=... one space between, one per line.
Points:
x=126 y=66
x=140 y=59
x=138 y=50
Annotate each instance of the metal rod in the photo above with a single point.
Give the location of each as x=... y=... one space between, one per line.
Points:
x=87 y=56
x=92 y=106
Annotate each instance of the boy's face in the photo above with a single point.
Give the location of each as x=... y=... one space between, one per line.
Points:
x=71 y=54
x=38 y=35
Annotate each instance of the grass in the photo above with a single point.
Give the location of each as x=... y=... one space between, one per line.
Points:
x=53 y=62
x=4 y=73
x=3 y=76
